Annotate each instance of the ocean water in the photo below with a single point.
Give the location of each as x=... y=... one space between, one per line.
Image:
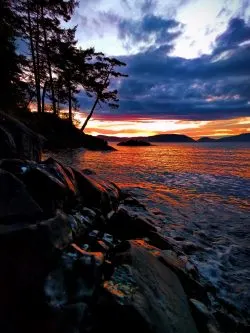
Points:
x=199 y=194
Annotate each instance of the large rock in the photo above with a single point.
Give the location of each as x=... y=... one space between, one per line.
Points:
x=128 y=224
x=16 y=204
x=143 y=293
x=42 y=284
x=97 y=193
x=48 y=183
x=17 y=140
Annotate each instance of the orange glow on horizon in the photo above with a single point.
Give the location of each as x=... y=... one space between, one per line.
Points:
x=126 y=126
x=148 y=127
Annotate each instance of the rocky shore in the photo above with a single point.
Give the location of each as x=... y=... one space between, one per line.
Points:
x=78 y=254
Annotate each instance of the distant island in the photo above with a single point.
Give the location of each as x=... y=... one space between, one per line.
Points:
x=206 y=139
x=154 y=138
x=134 y=143
x=175 y=138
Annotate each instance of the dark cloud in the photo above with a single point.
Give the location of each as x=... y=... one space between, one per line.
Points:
x=209 y=87
x=148 y=6
x=238 y=32
x=151 y=29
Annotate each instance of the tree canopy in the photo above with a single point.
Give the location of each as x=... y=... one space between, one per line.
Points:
x=43 y=64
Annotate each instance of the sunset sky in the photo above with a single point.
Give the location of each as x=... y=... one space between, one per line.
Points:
x=188 y=63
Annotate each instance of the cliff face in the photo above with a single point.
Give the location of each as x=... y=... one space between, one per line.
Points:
x=79 y=255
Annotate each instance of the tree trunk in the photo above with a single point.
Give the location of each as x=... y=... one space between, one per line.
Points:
x=49 y=64
x=38 y=96
x=90 y=115
x=38 y=68
x=70 y=105
x=43 y=96
x=96 y=101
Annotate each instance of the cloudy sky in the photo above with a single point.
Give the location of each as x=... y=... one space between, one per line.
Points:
x=188 y=63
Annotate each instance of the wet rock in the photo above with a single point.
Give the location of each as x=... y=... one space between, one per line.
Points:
x=74 y=279
x=17 y=140
x=188 y=277
x=8 y=147
x=59 y=230
x=97 y=193
x=108 y=239
x=49 y=191
x=123 y=225
x=101 y=246
x=83 y=224
x=94 y=234
x=172 y=260
x=60 y=172
x=229 y=324
x=16 y=166
x=88 y=172
x=16 y=204
x=83 y=220
x=143 y=293
x=71 y=317
x=163 y=243
x=25 y=259
x=89 y=213
x=47 y=182
x=130 y=201
x=190 y=247
x=201 y=309
x=204 y=319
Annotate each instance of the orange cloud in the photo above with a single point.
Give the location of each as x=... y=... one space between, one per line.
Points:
x=145 y=127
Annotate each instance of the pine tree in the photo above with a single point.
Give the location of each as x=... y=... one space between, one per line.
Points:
x=10 y=84
x=100 y=81
x=41 y=25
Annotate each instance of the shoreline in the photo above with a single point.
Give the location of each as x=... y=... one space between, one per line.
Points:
x=82 y=255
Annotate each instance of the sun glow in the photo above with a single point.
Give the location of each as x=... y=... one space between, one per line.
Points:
x=104 y=125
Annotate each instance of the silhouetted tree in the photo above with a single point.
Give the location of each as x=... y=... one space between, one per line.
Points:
x=51 y=13
x=66 y=63
x=10 y=71
x=100 y=81
x=40 y=28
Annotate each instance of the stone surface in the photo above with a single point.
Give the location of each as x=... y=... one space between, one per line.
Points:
x=67 y=265
x=17 y=140
x=143 y=293
x=16 y=203
x=61 y=173
x=96 y=192
x=125 y=225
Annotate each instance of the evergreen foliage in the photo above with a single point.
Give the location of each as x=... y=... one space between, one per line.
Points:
x=49 y=66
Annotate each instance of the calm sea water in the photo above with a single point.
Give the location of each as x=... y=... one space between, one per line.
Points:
x=199 y=194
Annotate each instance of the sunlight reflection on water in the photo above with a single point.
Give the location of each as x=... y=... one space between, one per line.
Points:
x=199 y=192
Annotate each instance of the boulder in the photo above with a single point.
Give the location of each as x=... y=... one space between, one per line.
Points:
x=65 y=175
x=25 y=260
x=97 y=193
x=17 y=140
x=7 y=144
x=16 y=204
x=74 y=279
x=204 y=319
x=125 y=224
x=42 y=282
x=48 y=183
x=144 y=293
